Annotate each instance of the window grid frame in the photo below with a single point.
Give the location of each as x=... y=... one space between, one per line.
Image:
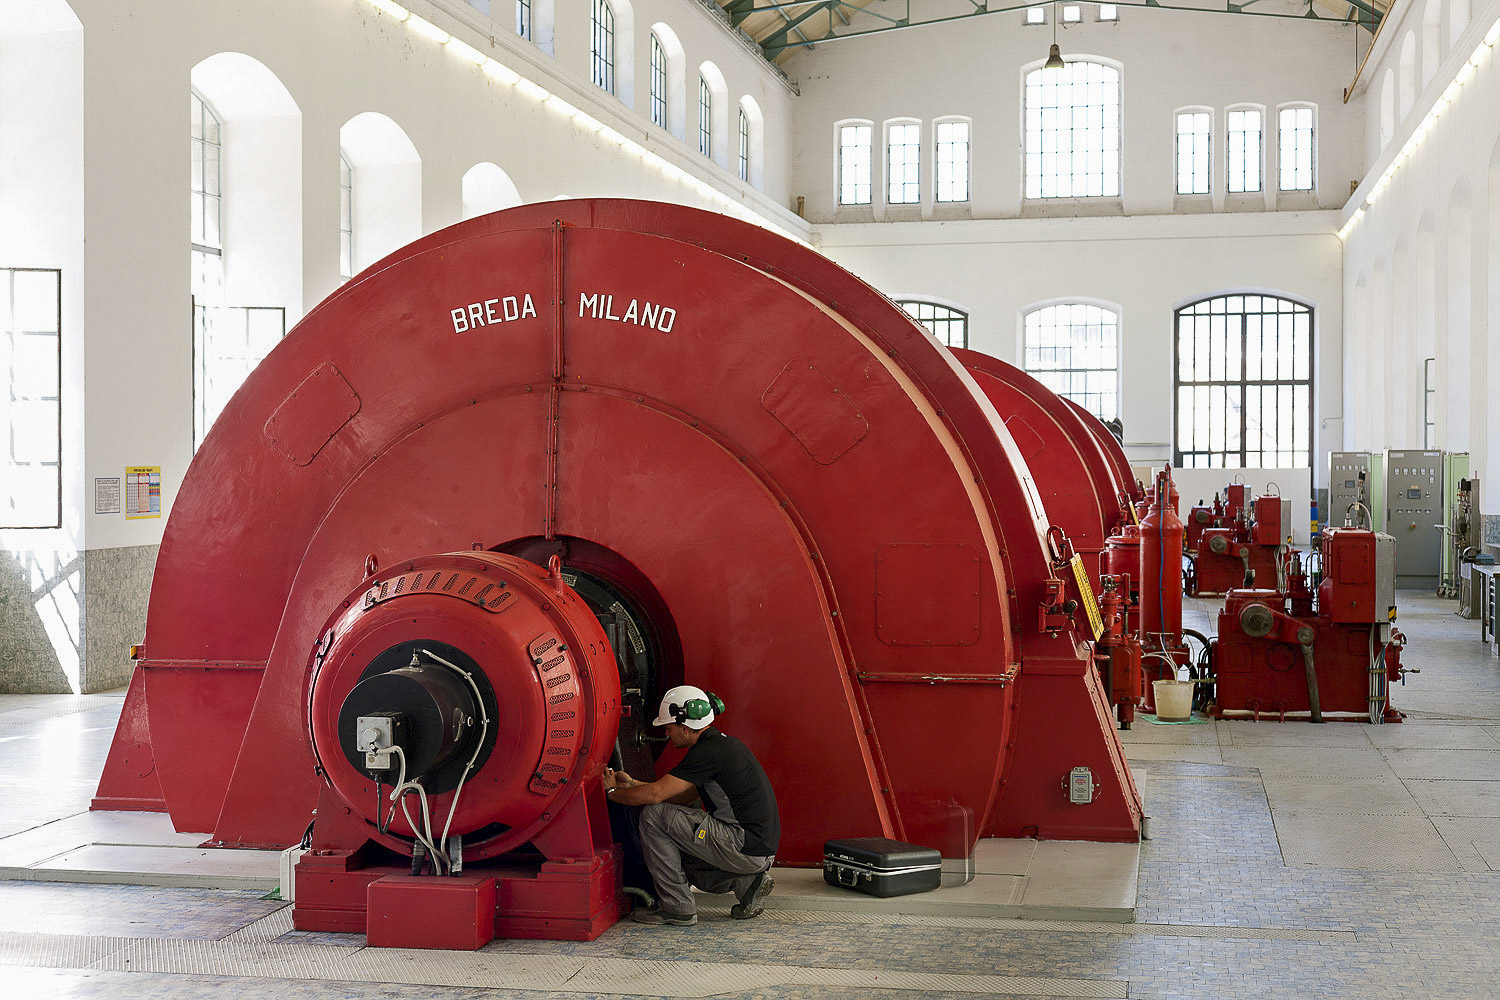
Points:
x=1300 y=433
x=744 y=157
x=203 y=200
x=202 y=376
x=903 y=180
x=705 y=117
x=1072 y=175
x=947 y=159
x=1195 y=165
x=523 y=19
x=346 y=218
x=939 y=320
x=1237 y=155
x=9 y=330
x=1290 y=160
x=602 y=48
x=658 y=83
x=862 y=166
x=1071 y=320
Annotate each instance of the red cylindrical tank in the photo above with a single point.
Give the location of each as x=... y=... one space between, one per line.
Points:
x=1122 y=558
x=1161 y=570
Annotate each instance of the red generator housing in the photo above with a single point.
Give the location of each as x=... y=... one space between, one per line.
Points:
x=494 y=495
x=1339 y=662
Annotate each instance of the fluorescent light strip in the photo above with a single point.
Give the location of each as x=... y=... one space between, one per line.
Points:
x=504 y=74
x=1425 y=127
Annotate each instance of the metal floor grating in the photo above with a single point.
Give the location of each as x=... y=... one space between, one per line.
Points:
x=245 y=955
x=71 y=706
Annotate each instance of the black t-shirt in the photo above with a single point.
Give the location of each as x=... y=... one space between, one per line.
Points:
x=735 y=789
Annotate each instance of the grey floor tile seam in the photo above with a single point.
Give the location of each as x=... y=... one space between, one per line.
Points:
x=509 y=970
x=1044 y=927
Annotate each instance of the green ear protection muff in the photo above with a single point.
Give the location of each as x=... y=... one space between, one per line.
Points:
x=696 y=708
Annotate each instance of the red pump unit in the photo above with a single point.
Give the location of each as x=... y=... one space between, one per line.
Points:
x=1338 y=661
x=1234 y=545
x=743 y=468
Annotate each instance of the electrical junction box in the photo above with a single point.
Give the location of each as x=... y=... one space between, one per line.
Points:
x=1415 y=505
x=1081 y=786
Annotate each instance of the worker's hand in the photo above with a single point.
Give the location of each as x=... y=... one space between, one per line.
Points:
x=611 y=779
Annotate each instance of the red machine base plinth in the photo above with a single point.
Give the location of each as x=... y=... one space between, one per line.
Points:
x=407 y=911
x=557 y=901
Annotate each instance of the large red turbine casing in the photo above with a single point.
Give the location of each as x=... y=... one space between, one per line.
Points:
x=843 y=537
x=1076 y=476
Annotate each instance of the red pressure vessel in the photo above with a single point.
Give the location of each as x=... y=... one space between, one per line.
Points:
x=1161 y=570
x=1122 y=558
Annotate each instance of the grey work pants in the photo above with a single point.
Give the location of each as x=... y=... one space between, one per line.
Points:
x=683 y=845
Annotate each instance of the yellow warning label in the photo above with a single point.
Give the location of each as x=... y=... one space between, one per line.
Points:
x=1086 y=591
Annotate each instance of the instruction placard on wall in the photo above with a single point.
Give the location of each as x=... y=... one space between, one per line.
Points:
x=107 y=496
x=142 y=491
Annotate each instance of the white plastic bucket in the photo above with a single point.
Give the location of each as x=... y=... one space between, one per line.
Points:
x=1174 y=700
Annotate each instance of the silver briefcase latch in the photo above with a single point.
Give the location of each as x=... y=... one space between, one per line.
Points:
x=1080 y=786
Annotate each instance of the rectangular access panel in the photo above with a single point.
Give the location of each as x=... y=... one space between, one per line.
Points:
x=1414 y=514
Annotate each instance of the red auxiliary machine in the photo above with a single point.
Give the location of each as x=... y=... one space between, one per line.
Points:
x=1338 y=660
x=1239 y=544
x=741 y=467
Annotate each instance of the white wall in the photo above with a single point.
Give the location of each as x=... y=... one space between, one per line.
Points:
x=1168 y=59
x=116 y=178
x=1422 y=243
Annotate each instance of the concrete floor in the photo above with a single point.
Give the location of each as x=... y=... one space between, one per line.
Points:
x=1288 y=860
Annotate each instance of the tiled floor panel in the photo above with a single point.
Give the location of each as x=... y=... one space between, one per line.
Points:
x=1287 y=861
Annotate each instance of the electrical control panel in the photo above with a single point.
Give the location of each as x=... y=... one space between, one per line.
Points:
x=1348 y=483
x=1415 y=504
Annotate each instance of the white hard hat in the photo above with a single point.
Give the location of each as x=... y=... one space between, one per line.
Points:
x=688 y=705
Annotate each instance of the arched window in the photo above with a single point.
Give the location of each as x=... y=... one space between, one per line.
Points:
x=1073 y=348
x=752 y=142
x=1245 y=154
x=951 y=159
x=1194 y=144
x=1296 y=135
x=950 y=326
x=744 y=157
x=854 y=162
x=487 y=188
x=206 y=197
x=1408 y=80
x=903 y=162
x=1387 y=107
x=1244 y=383
x=247 y=271
x=705 y=117
x=346 y=218
x=658 y=82
x=602 y=46
x=1073 y=131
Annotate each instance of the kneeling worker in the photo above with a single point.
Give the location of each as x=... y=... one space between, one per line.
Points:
x=730 y=847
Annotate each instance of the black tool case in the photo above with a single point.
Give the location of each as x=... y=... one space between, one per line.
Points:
x=880 y=866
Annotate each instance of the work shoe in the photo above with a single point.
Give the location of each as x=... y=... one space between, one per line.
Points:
x=654 y=915
x=753 y=902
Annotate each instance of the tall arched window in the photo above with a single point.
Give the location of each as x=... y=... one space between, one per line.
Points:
x=1073 y=131
x=854 y=178
x=658 y=82
x=346 y=218
x=1073 y=348
x=705 y=117
x=207 y=148
x=1244 y=383
x=1296 y=136
x=602 y=47
x=744 y=157
x=950 y=326
x=1245 y=151
x=951 y=159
